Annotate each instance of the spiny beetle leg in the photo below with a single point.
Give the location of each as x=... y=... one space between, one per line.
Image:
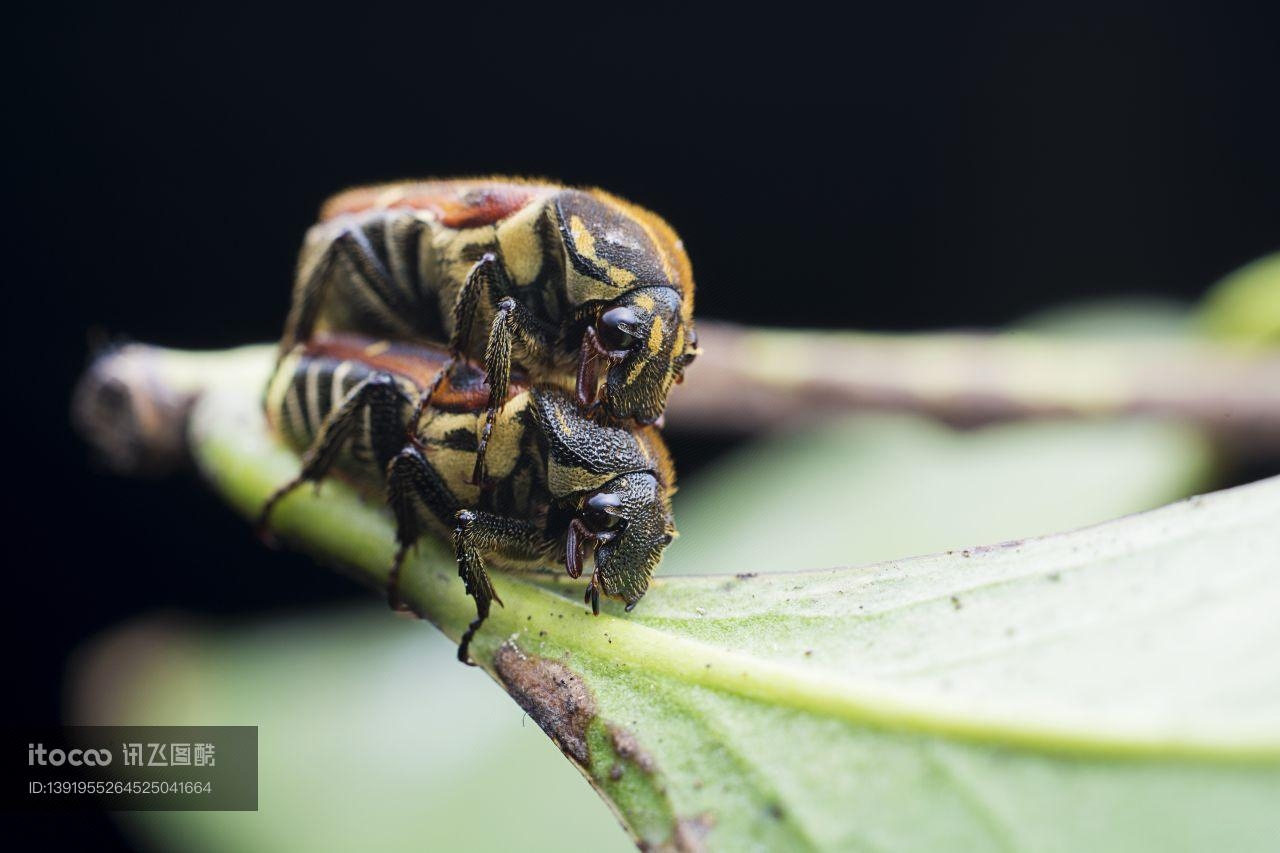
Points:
x=592 y=595
x=374 y=279
x=464 y=314
x=479 y=533
x=393 y=577
x=414 y=488
x=424 y=399
x=308 y=298
x=483 y=278
x=379 y=392
x=373 y=276
x=511 y=324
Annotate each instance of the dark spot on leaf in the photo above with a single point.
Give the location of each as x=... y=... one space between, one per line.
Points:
x=776 y=812
x=629 y=749
x=1007 y=545
x=552 y=694
x=955 y=602
x=746 y=576
x=615 y=772
x=691 y=833
x=1054 y=577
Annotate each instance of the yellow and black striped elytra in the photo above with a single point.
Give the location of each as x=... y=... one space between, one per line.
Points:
x=562 y=487
x=579 y=288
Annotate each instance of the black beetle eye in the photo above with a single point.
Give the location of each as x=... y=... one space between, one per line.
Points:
x=615 y=328
x=600 y=512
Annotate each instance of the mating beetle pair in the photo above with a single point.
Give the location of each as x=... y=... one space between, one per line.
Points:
x=575 y=286
x=378 y=378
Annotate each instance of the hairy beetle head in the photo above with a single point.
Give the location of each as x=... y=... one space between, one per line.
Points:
x=632 y=515
x=632 y=268
x=648 y=342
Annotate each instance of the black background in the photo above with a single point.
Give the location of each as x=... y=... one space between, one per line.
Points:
x=908 y=167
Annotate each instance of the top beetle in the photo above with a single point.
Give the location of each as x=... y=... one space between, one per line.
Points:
x=566 y=281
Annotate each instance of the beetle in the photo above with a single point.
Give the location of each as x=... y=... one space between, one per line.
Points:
x=576 y=286
x=564 y=488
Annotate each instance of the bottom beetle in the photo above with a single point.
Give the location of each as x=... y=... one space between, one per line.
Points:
x=560 y=485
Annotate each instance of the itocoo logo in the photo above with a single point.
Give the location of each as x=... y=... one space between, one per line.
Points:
x=37 y=754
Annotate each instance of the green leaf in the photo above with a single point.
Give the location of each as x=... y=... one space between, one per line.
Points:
x=1245 y=306
x=1114 y=688
x=872 y=488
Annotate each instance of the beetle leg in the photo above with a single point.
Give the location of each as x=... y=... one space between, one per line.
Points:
x=592 y=595
x=485 y=277
x=375 y=281
x=414 y=488
x=424 y=398
x=511 y=324
x=308 y=297
x=379 y=393
x=479 y=533
x=478 y=281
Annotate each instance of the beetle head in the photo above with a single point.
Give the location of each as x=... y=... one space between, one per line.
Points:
x=630 y=273
x=647 y=344
x=630 y=524
x=617 y=484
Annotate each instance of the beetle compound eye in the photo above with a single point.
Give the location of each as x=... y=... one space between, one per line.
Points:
x=600 y=512
x=615 y=326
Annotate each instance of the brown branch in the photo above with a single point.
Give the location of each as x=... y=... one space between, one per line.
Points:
x=750 y=379
x=132 y=403
x=135 y=421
